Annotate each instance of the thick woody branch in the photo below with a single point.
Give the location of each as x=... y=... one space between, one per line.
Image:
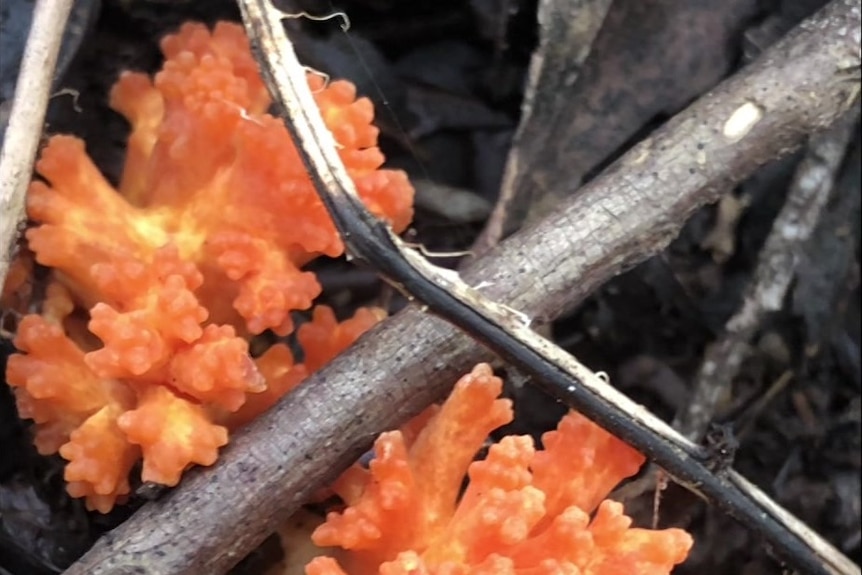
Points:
x=627 y=214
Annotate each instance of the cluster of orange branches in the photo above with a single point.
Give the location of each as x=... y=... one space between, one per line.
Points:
x=141 y=349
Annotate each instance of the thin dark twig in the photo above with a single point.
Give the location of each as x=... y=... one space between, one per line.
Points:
x=499 y=328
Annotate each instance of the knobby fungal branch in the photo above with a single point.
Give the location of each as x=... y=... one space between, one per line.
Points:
x=634 y=208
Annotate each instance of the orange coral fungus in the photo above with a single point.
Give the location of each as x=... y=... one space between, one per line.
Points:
x=523 y=512
x=323 y=338
x=199 y=248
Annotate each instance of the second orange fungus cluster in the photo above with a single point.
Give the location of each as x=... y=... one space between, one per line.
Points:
x=141 y=348
x=524 y=511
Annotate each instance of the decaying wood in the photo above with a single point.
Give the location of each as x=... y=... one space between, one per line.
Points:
x=779 y=260
x=625 y=215
x=808 y=194
x=24 y=132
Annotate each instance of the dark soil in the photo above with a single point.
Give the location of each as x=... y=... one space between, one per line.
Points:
x=447 y=77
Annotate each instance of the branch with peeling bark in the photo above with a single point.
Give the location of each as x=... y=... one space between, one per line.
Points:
x=623 y=216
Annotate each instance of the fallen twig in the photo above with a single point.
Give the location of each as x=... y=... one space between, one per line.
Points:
x=777 y=265
x=636 y=207
x=32 y=91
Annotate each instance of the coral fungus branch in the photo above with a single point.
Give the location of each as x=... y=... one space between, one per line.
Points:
x=201 y=247
x=635 y=208
x=524 y=510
